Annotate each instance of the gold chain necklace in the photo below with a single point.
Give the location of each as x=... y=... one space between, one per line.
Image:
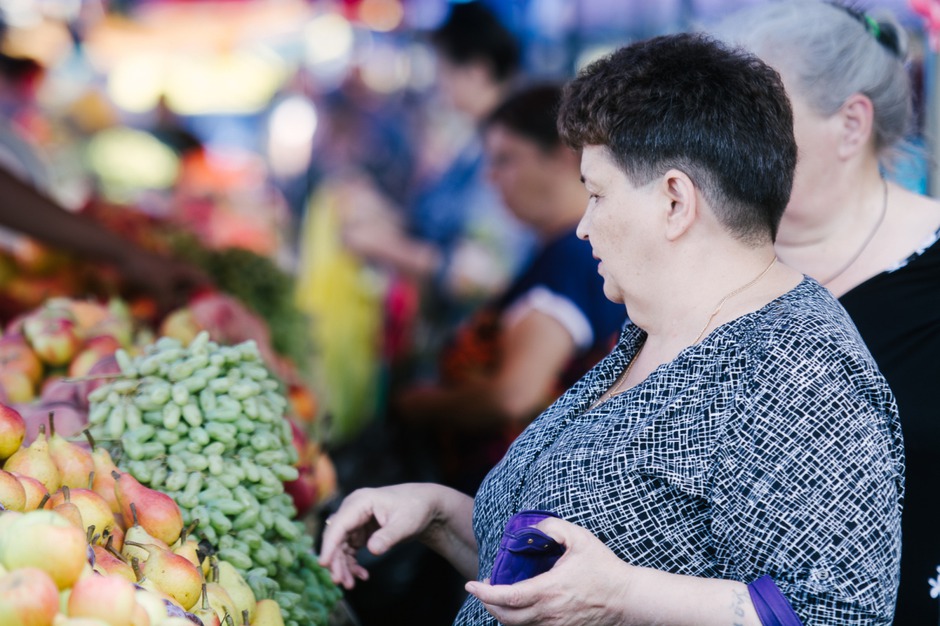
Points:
x=731 y=295
x=871 y=235
x=616 y=387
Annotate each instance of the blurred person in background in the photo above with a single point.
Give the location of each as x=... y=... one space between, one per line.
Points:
x=519 y=352
x=455 y=237
x=871 y=242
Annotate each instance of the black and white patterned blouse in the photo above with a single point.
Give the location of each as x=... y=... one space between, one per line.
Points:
x=771 y=447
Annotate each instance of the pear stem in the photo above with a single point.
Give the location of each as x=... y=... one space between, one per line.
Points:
x=133 y=511
x=91 y=440
x=91 y=479
x=52 y=423
x=45 y=498
x=90 y=533
x=186 y=532
x=205 y=598
x=135 y=565
x=42 y=431
x=215 y=571
x=110 y=548
x=66 y=493
x=244 y=617
x=228 y=619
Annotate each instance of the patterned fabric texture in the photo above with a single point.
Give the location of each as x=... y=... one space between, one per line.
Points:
x=771 y=447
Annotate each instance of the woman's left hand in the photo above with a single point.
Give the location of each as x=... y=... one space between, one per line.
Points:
x=588 y=585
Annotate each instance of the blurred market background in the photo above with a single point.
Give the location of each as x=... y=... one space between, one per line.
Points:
x=217 y=131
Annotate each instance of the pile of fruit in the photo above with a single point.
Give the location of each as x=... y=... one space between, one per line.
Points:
x=204 y=423
x=63 y=337
x=53 y=356
x=84 y=544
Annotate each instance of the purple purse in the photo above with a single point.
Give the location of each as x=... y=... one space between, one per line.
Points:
x=772 y=607
x=524 y=551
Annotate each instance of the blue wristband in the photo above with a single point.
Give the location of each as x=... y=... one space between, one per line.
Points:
x=772 y=607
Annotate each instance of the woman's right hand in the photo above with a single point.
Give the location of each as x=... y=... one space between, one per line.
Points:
x=377 y=519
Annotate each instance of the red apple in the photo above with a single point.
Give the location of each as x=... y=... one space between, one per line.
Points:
x=15 y=354
x=12 y=431
x=91 y=352
x=53 y=339
x=28 y=596
x=105 y=365
x=17 y=387
x=303 y=491
x=181 y=325
x=55 y=390
x=86 y=313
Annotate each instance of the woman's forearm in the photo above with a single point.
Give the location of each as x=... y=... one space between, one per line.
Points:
x=450 y=534
x=656 y=597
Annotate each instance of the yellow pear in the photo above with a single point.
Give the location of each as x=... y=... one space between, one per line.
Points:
x=12 y=492
x=172 y=574
x=36 y=461
x=152 y=604
x=236 y=586
x=137 y=535
x=204 y=611
x=268 y=613
x=219 y=600
x=74 y=463
x=187 y=547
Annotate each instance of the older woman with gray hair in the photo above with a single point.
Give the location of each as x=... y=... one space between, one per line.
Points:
x=871 y=242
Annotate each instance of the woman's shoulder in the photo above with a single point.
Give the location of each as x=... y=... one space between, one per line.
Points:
x=806 y=323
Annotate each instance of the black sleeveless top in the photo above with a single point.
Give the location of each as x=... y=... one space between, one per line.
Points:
x=897 y=313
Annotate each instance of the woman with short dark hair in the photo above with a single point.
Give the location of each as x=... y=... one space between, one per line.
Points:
x=736 y=459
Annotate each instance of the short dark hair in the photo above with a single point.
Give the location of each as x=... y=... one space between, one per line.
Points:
x=686 y=101
x=532 y=113
x=471 y=33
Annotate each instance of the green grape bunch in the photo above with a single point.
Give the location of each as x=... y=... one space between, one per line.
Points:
x=204 y=424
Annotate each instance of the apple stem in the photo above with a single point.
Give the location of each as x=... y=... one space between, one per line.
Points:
x=91 y=440
x=52 y=423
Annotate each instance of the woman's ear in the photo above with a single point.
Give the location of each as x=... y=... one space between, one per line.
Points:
x=857 y=119
x=682 y=207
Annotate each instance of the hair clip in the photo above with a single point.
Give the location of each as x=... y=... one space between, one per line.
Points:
x=887 y=37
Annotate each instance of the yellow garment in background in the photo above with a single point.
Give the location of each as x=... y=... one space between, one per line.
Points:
x=344 y=299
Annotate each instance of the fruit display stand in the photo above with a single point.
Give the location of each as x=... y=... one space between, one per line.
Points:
x=196 y=432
